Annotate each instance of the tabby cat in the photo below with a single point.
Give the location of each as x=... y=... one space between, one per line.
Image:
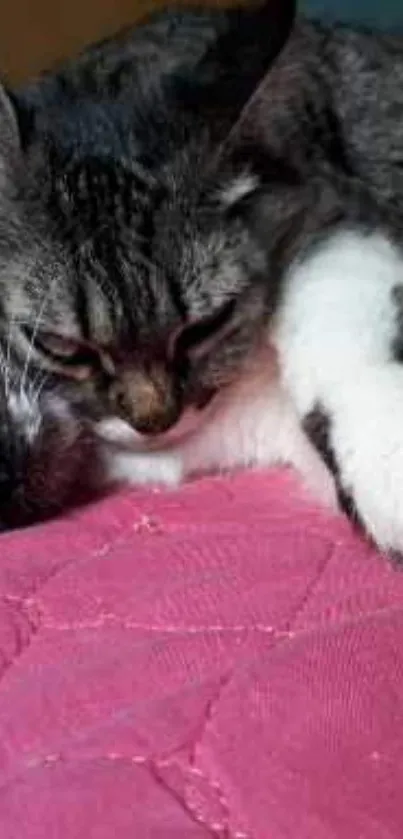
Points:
x=200 y=230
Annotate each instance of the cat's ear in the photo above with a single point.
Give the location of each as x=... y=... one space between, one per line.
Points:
x=10 y=146
x=196 y=68
x=246 y=42
x=178 y=69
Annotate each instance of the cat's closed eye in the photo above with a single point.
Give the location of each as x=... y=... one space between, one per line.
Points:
x=197 y=337
x=70 y=356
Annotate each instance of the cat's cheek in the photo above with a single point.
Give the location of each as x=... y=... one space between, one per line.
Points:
x=118 y=432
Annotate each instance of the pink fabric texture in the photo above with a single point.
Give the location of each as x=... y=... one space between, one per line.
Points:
x=224 y=661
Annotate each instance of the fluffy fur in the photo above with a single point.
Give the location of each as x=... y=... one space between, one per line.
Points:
x=138 y=288
x=168 y=224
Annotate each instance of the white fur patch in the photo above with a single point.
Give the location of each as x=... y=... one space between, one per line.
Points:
x=135 y=468
x=25 y=414
x=239 y=187
x=334 y=334
x=252 y=423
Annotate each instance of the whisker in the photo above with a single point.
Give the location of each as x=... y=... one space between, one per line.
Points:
x=34 y=333
x=37 y=378
x=11 y=326
x=35 y=395
x=37 y=384
x=5 y=371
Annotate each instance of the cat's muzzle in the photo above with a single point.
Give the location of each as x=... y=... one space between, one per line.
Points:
x=150 y=401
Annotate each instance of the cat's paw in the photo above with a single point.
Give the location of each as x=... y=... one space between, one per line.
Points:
x=366 y=436
x=142 y=468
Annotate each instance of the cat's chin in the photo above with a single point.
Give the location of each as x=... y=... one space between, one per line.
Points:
x=119 y=433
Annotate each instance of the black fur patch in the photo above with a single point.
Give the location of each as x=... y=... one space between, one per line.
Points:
x=397 y=344
x=317 y=426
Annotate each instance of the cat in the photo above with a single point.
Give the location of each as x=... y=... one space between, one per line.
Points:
x=94 y=159
x=223 y=249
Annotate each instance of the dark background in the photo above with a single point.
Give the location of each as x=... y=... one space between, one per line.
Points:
x=34 y=33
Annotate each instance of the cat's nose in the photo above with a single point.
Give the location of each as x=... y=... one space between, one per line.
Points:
x=154 y=425
x=149 y=401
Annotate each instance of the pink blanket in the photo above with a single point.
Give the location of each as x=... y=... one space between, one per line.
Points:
x=224 y=662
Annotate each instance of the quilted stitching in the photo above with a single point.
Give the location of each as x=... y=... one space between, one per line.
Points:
x=224 y=661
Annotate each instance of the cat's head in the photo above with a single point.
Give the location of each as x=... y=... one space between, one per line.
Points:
x=133 y=274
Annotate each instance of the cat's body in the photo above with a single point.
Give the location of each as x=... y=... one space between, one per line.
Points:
x=175 y=236
x=327 y=117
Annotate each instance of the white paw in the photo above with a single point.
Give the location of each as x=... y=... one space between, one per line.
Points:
x=367 y=438
x=139 y=469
